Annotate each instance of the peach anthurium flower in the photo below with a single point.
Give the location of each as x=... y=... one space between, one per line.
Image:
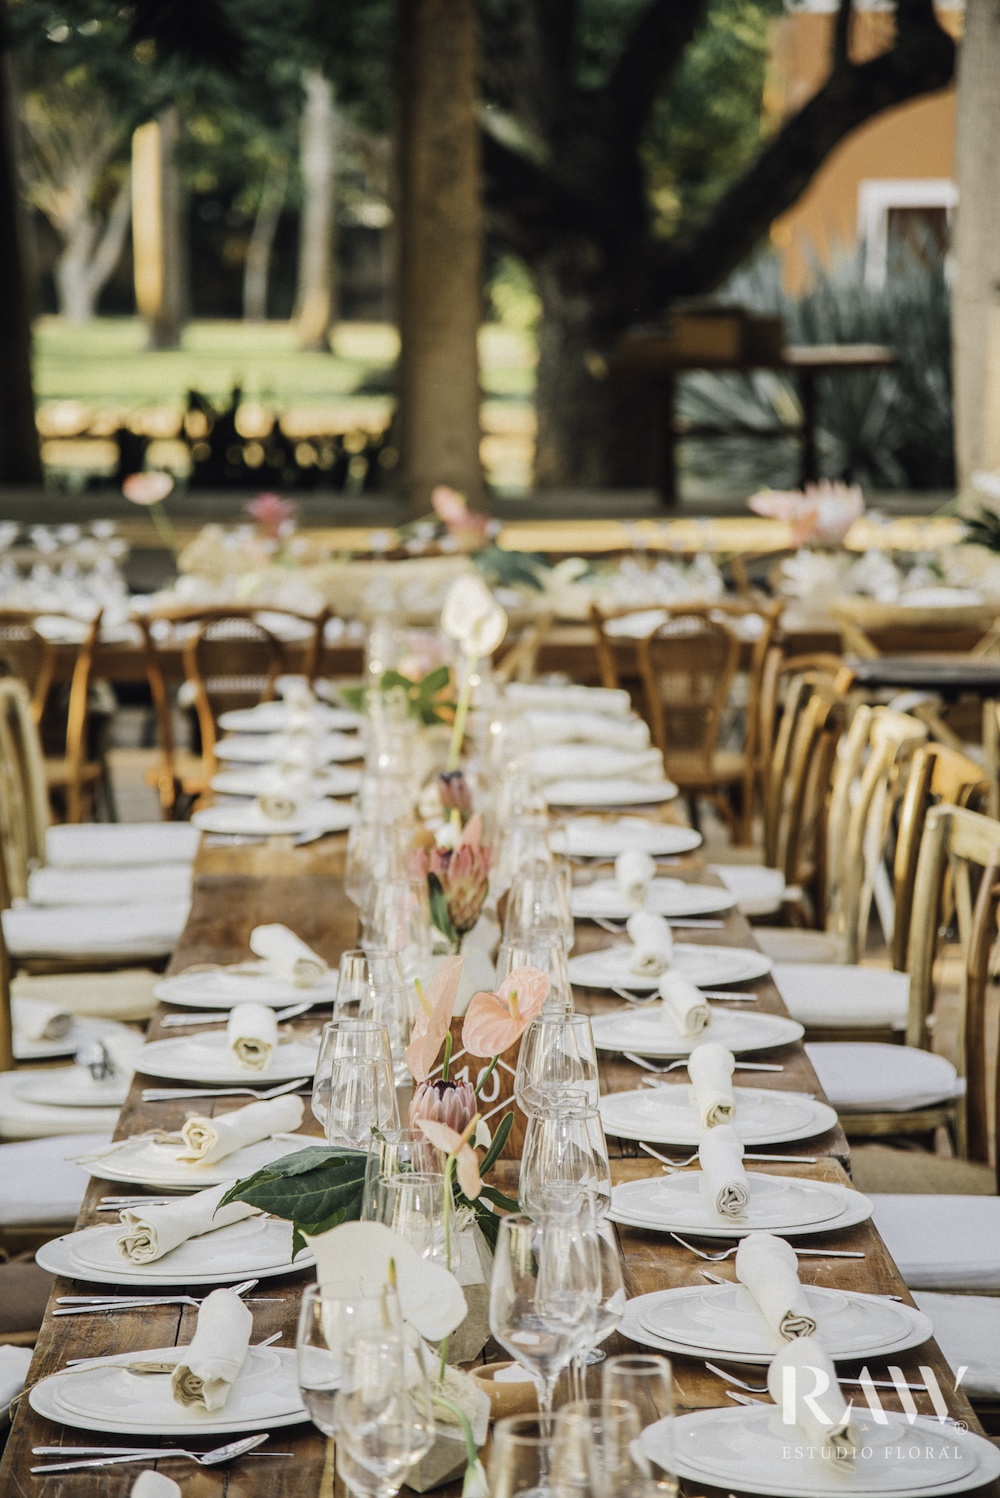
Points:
x=148 y=487
x=458 y=1147
x=494 y=1021
x=432 y=1024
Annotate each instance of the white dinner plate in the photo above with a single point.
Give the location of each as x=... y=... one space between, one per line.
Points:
x=274 y=748
x=669 y=897
x=279 y=717
x=98 y=1395
x=785 y=1205
x=724 y=1321
x=609 y=792
x=221 y=988
x=145 y=1162
x=258 y=1247
x=752 y=1450
x=648 y=1032
x=207 y=1058
x=268 y=780
x=709 y=967
x=666 y=1115
x=246 y=817
x=71 y=1087
x=80 y=1031
x=599 y=837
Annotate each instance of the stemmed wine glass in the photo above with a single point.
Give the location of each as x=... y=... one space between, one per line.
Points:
x=645 y=1380
x=345 y=1038
x=565 y=1152
x=557 y=1052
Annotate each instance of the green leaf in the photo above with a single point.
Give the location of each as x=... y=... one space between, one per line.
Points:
x=499 y=1199
x=439 y=909
x=436 y=680
x=489 y=1223
x=353 y=697
x=497 y=1143
x=310 y=1186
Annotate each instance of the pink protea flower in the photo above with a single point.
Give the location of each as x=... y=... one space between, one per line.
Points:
x=454 y=793
x=274 y=515
x=451 y=1103
x=463 y=873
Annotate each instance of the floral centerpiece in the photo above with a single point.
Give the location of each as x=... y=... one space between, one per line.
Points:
x=820 y=514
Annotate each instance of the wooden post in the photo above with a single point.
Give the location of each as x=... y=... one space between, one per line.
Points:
x=20 y=462
x=317 y=222
x=156 y=231
x=440 y=236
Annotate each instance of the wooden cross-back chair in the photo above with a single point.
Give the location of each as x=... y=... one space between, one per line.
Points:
x=230 y=662
x=25 y=654
x=803 y=797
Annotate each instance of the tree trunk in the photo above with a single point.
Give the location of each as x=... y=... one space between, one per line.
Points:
x=440 y=239
x=265 y=226
x=317 y=226
x=20 y=460
x=157 y=230
x=90 y=255
x=977 y=244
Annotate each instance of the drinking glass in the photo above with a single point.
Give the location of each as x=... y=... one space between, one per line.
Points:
x=396 y=1152
x=543 y=1288
x=565 y=1154
x=376 y=842
x=383 y=1412
x=327 y=1325
x=521 y=1456
x=362 y=1099
x=345 y=1037
x=398 y=917
x=557 y=1053
x=411 y=1203
x=362 y=971
x=537 y=907
x=608 y=1309
x=548 y=955
x=595 y=1448
x=645 y=1381
x=523 y=840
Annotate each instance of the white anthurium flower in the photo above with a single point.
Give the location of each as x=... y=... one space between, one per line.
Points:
x=472 y=617
x=354 y=1259
x=475 y=1484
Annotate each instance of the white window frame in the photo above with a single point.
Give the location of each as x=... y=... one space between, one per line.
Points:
x=875 y=199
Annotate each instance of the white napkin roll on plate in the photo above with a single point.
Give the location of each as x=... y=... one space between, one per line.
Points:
x=652 y=944
x=723 y=1177
x=684 y=1004
x=211 y=1139
x=710 y=1068
x=154 y=1485
x=36 y=1020
x=287 y=955
x=152 y=1232
x=252 y=1033
x=802 y=1369
x=634 y=873
x=276 y=807
x=769 y=1268
x=212 y=1361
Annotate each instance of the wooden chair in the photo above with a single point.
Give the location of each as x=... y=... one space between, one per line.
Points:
x=72 y=775
x=519 y=660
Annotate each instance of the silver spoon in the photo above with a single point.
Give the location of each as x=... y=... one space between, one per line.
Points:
x=227 y=1453
x=805 y=1253
x=669 y=1164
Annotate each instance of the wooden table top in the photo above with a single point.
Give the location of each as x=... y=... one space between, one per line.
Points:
x=235 y=889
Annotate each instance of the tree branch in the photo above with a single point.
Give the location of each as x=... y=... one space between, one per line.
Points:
x=528 y=208
x=651 y=53
x=922 y=59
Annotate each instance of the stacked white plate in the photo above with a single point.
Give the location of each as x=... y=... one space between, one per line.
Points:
x=667 y=1115
x=207 y=1057
x=650 y=1031
x=709 y=967
x=141 y=1161
x=221 y=988
x=257 y=1247
x=245 y=818
x=600 y=837
x=268 y=780
x=669 y=897
x=79 y=1031
x=724 y=1321
x=609 y=792
x=751 y=1449
x=271 y=748
x=279 y=717
x=786 y=1205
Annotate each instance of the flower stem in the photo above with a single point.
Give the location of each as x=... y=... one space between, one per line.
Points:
x=486 y=1075
x=165 y=527
x=446 y=1063
x=449 y=1170
x=461 y=713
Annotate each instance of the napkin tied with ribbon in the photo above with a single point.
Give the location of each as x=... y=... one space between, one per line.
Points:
x=723 y=1177
x=152 y=1232
x=710 y=1068
x=252 y=1034
x=652 y=944
x=210 y=1139
x=802 y=1380
x=214 y=1358
x=684 y=1004
x=287 y=955
x=769 y=1268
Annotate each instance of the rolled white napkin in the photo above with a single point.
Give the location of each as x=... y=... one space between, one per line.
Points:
x=596 y=762
x=276 y=807
x=802 y=1379
x=211 y=1139
x=287 y=955
x=212 y=1361
x=769 y=1268
x=154 y=1485
x=684 y=1004
x=34 y=1019
x=585 y=728
x=724 y=1180
x=252 y=1033
x=152 y=1232
x=561 y=696
x=710 y=1068
x=652 y=944
x=634 y=873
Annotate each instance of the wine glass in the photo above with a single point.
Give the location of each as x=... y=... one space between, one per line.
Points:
x=537 y=907
x=595 y=1448
x=548 y=954
x=565 y=1154
x=396 y=1152
x=645 y=1381
x=521 y=1456
x=542 y=1293
x=398 y=916
x=608 y=1308
x=383 y=1412
x=345 y=1037
x=362 y=1100
x=327 y=1325
x=557 y=1052
x=411 y=1203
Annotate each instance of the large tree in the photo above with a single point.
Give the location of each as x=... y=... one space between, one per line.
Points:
x=575 y=86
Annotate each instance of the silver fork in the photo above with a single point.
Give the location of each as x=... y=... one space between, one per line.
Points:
x=167 y=1094
x=660 y=1067
x=227 y=1453
x=221 y=1016
x=718 y=1280
x=676 y=922
x=81 y=1305
x=735 y=996
x=669 y=1164
x=805 y=1253
x=73 y=1365
x=857 y=1383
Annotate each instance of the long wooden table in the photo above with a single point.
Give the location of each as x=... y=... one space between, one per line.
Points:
x=235 y=889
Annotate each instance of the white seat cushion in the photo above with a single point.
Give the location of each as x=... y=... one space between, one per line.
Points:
x=73 y=931
x=967 y=1328
x=943 y=1242
x=126 y=994
x=787 y=944
x=758 y=890
x=20 y=1119
x=41 y=1184
x=864 y=1076
x=832 y=994
x=118 y=845
x=14 y=1365
x=141 y=885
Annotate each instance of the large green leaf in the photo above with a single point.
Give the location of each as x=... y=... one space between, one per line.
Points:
x=315 y=1188
x=439 y=910
x=497 y=1143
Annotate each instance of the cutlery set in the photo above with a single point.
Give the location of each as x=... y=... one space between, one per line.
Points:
x=83 y=1305
x=84 y=1457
